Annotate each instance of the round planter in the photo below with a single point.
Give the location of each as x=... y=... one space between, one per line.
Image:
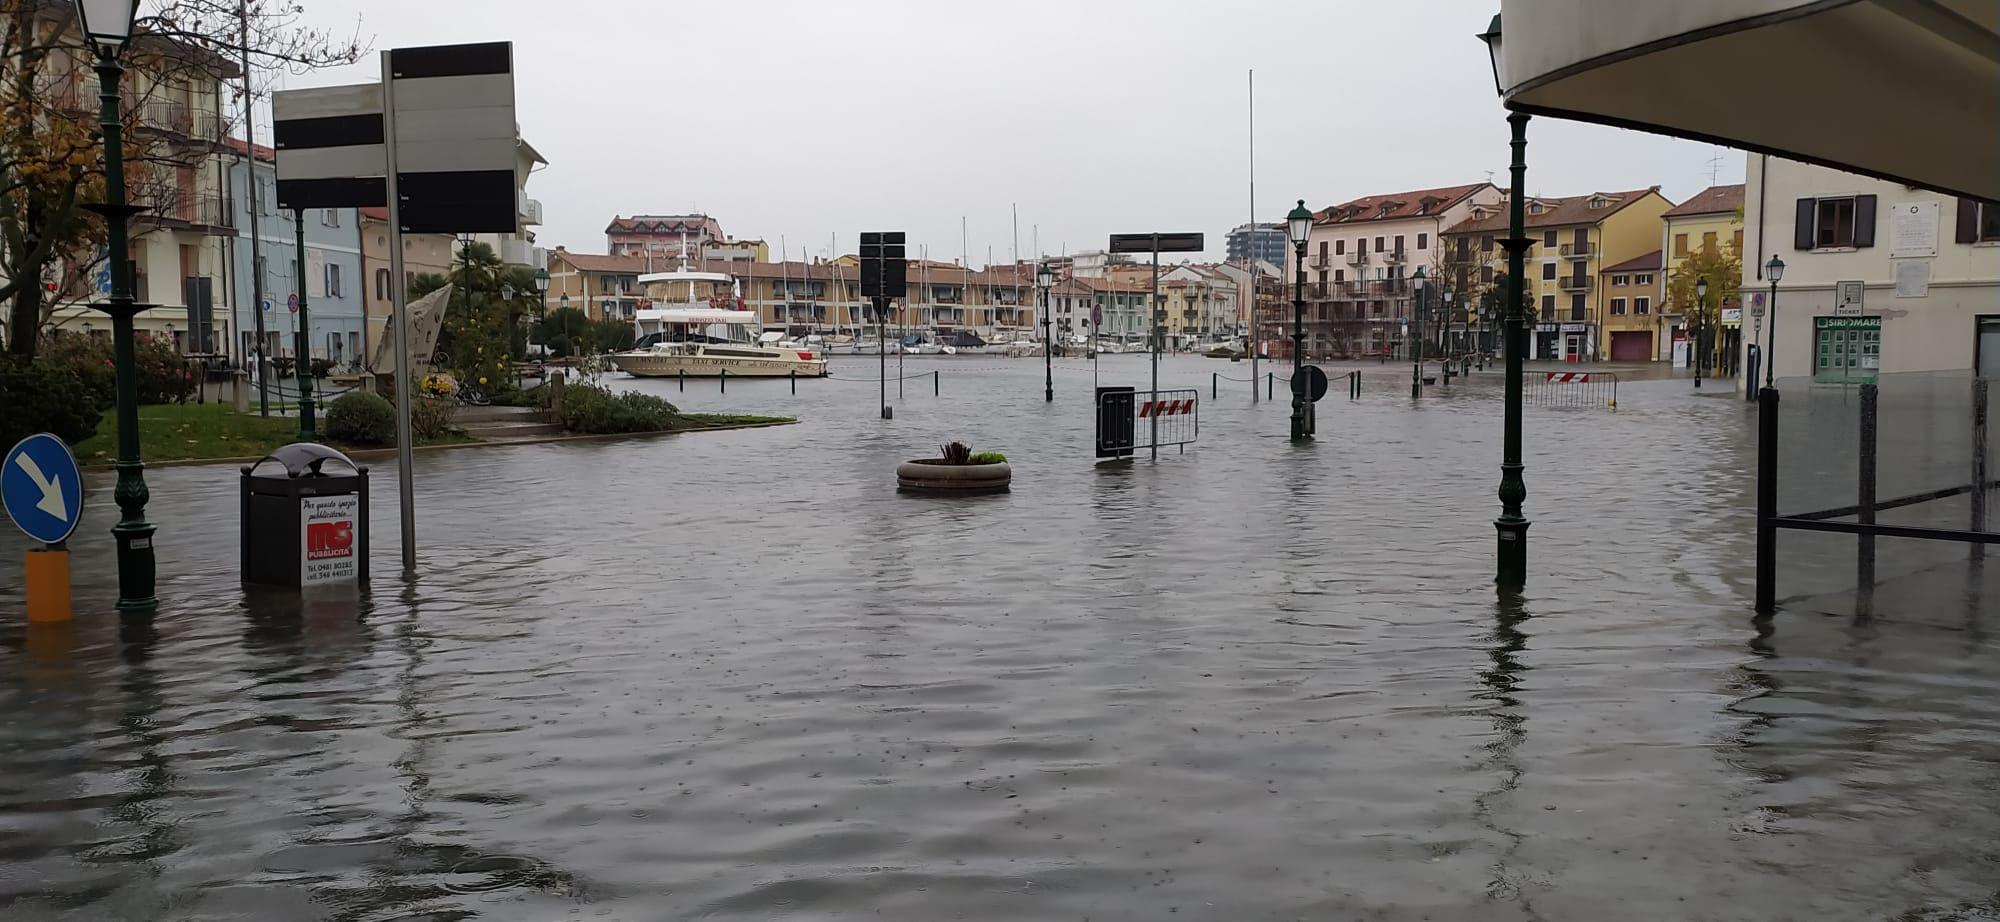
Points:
x=930 y=475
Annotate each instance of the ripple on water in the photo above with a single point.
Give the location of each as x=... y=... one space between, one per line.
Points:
x=735 y=675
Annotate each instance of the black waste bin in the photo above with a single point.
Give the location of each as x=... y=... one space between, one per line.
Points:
x=302 y=525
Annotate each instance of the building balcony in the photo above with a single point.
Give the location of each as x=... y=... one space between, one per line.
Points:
x=1357 y=259
x=1396 y=256
x=1578 y=250
x=1320 y=262
x=177 y=120
x=1575 y=282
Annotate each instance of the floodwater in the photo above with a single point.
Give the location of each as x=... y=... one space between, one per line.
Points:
x=736 y=676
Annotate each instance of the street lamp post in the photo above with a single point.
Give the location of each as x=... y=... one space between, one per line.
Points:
x=1045 y=278
x=1448 y=343
x=1698 y=352
x=1417 y=337
x=1774 y=270
x=1298 y=225
x=108 y=26
x=1512 y=525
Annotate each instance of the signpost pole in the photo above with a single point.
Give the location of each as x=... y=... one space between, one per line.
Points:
x=1156 y=330
x=302 y=344
x=399 y=318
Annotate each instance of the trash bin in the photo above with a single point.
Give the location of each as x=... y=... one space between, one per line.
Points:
x=303 y=525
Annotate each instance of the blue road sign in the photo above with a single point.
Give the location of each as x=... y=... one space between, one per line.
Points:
x=42 y=488
x=266 y=304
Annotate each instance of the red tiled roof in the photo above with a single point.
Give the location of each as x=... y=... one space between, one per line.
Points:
x=664 y=224
x=597 y=262
x=1712 y=200
x=1636 y=263
x=263 y=153
x=1412 y=204
x=1556 y=212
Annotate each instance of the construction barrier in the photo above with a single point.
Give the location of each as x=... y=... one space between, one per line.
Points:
x=1570 y=389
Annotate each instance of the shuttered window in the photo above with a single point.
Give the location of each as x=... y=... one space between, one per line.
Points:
x=1834 y=222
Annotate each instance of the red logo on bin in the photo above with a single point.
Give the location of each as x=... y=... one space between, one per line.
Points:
x=329 y=539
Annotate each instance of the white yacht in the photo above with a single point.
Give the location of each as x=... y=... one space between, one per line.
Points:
x=701 y=337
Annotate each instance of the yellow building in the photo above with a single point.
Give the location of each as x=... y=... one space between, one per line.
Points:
x=1633 y=326
x=1574 y=238
x=1713 y=218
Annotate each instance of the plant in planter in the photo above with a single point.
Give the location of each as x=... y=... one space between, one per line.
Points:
x=956 y=472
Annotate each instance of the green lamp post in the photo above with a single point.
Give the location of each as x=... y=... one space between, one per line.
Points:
x=1773 y=270
x=1701 y=331
x=107 y=24
x=1417 y=337
x=302 y=343
x=1298 y=226
x=1512 y=525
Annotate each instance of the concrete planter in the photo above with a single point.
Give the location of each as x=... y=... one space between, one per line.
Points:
x=931 y=475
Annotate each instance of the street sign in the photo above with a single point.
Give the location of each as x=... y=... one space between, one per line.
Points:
x=1847 y=298
x=267 y=305
x=1097 y=315
x=455 y=141
x=42 y=488
x=1310 y=382
x=292 y=302
x=1156 y=243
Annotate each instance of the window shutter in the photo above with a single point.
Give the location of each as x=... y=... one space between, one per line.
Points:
x=1968 y=221
x=1864 y=220
x=1802 y=231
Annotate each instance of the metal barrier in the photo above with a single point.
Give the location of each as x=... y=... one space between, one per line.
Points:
x=1973 y=480
x=1129 y=419
x=1564 y=389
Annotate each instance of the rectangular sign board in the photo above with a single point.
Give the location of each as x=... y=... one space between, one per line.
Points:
x=329 y=539
x=456 y=141
x=1157 y=243
x=1848 y=297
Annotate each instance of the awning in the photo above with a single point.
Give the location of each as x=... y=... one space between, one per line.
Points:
x=1907 y=90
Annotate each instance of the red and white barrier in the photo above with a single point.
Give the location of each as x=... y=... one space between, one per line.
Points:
x=1569 y=377
x=1166 y=408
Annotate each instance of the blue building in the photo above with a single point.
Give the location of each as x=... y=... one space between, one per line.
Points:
x=1257 y=241
x=331 y=274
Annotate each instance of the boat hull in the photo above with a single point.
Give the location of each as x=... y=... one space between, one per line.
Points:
x=649 y=365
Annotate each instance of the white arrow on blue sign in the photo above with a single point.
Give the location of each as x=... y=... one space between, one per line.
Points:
x=42 y=488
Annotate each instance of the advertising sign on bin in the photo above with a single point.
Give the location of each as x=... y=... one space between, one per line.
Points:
x=328 y=540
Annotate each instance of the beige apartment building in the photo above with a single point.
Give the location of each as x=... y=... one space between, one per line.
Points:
x=1574 y=237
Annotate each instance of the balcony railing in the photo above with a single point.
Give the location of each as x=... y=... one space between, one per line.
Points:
x=1575 y=282
x=1396 y=255
x=1357 y=258
x=179 y=119
x=1577 y=250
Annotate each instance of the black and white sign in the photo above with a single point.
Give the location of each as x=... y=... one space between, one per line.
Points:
x=1847 y=298
x=455 y=141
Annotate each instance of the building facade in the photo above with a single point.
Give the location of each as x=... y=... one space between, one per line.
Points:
x=1257 y=241
x=178 y=245
x=331 y=279
x=1360 y=256
x=423 y=254
x=603 y=287
x=664 y=240
x=1633 y=326
x=1573 y=238
x=1924 y=265
x=1711 y=220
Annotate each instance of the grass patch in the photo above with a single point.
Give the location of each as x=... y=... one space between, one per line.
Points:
x=191 y=431
x=734 y=419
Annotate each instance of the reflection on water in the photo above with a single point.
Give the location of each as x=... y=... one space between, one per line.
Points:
x=736 y=676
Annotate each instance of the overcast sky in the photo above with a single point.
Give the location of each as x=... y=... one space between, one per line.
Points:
x=803 y=119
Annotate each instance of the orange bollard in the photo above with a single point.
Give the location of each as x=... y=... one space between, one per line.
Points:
x=48 y=586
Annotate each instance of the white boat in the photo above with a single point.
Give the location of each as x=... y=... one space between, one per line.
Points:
x=698 y=339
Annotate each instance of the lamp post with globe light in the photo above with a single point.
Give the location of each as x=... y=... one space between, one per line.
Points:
x=107 y=24
x=1773 y=270
x=1512 y=525
x=1045 y=278
x=1298 y=225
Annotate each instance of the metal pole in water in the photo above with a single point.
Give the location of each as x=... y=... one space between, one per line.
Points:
x=1979 y=476
x=1864 y=545
x=936 y=387
x=794 y=375
x=683 y=375
x=1767 y=499
x=725 y=381
x=1155 y=333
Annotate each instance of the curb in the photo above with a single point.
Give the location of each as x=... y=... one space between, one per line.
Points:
x=367 y=453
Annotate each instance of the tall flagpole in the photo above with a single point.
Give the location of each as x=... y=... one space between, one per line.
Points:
x=1250 y=257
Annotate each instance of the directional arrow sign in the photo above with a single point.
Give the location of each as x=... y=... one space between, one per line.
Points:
x=42 y=488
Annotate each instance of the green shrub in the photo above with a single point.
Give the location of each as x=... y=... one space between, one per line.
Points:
x=594 y=410
x=431 y=418
x=989 y=457
x=85 y=360
x=40 y=396
x=164 y=375
x=361 y=418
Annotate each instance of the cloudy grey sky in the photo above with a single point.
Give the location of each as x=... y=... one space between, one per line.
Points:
x=801 y=119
